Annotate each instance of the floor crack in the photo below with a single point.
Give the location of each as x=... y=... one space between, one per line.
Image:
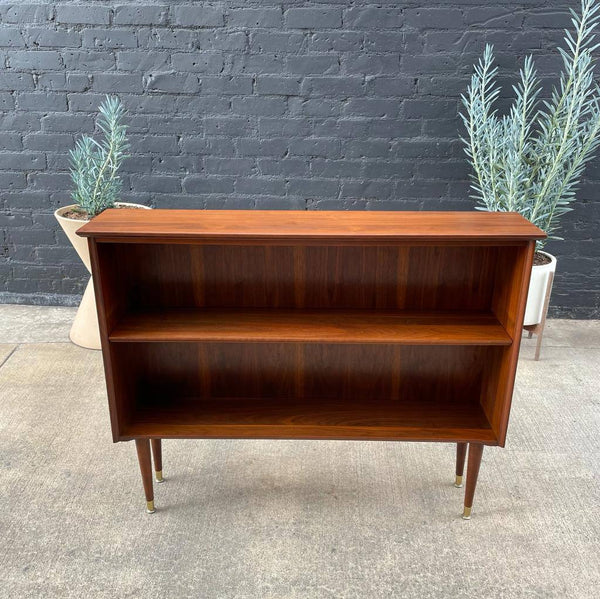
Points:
x=12 y=351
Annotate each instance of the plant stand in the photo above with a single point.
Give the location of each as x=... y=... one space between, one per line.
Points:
x=84 y=331
x=538 y=328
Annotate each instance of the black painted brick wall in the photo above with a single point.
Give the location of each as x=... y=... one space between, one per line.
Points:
x=259 y=104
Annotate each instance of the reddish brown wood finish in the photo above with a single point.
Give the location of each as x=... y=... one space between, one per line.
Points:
x=273 y=418
x=109 y=303
x=475 y=454
x=143 y=452
x=315 y=325
x=412 y=278
x=157 y=454
x=409 y=380
x=513 y=271
x=222 y=226
x=310 y=326
x=461 y=454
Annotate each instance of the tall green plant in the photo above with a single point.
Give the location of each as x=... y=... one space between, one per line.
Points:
x=531 y=160
x=95 y=164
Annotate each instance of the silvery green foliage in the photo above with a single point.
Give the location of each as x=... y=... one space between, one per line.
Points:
x=531 y=160
x=94 y=165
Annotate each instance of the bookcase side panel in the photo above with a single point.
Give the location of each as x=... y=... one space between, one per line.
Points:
x=112 y=286
x=510 y=295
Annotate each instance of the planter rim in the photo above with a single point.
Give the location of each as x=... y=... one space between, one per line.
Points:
x=58 y=213
x=550 y=264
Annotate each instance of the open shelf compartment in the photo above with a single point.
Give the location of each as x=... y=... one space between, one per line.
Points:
x=297 y=390
x=406 y=341
x=325 y=418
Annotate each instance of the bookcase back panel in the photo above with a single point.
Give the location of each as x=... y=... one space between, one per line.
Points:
x=361 y=277
x=284 y=370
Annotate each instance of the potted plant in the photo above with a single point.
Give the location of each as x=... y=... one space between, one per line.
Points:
x=531 y=160
x=94 y=170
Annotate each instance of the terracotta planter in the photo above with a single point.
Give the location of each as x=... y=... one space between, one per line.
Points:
x=84 y=331
x=538 y=287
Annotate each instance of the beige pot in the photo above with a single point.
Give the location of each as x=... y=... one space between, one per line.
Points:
x=84 y=331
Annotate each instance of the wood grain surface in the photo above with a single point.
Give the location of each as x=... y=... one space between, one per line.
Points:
x=413 y=278
x=224 y=225
x=311 y=326
x=310 y=419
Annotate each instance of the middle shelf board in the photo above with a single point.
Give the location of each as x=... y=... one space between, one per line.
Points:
x=237 y=325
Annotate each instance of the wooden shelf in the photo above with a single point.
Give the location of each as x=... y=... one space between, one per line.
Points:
x=309 y=419
x=339 y=226
x=310 y=326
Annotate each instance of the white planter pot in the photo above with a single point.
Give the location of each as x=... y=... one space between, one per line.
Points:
x=84 y=331
x=538 y=287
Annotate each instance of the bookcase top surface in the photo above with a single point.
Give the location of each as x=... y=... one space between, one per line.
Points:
x=223 y=225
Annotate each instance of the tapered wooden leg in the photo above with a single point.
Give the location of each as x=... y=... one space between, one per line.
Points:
x=157 y=453
x=143 y=452
x=475 y=453
x=461 y=454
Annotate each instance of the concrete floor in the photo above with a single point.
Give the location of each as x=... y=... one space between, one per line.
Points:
x=291 y=519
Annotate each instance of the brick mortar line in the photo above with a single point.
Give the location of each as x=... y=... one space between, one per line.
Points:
x=410 y=52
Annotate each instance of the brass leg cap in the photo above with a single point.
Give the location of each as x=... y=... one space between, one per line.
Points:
x=458 y=482
x=150 y=507
x=467 y=513
x=159 y=477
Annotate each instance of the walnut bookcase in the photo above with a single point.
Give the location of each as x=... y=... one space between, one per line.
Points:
x=397 y=326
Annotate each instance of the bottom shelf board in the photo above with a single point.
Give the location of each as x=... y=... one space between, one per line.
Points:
x=251 y=418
